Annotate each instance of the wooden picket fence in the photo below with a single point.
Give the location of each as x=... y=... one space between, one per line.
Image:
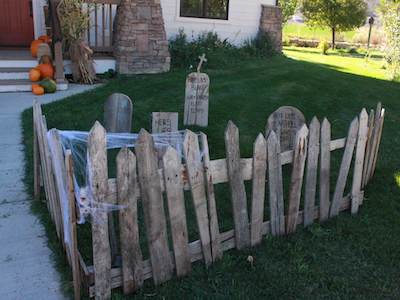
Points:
x=139 y=178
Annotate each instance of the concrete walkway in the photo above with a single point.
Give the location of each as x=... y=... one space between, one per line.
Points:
x=26 y=268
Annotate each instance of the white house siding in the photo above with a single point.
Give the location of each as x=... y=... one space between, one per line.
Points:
x=242 y=24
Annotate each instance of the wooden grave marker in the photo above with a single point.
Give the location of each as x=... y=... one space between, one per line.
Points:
x=162 y=122
x=285 y=121
x=118 y=111
x=197 y=97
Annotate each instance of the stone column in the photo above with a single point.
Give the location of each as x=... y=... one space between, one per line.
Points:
x=271 y=22
x=141 y=45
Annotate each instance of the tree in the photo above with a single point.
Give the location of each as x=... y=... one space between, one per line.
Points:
x=288 y=8
x=390 y=10
x=338 y=15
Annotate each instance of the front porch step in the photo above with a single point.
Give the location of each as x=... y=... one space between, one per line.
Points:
x=23 y=85
x=14 y=73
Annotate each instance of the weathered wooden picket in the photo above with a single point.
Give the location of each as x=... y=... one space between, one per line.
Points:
x=139 y=178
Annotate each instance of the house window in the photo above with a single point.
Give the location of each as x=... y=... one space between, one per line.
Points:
x=208 y=9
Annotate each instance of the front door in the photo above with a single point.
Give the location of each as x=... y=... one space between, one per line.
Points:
x=16 y=22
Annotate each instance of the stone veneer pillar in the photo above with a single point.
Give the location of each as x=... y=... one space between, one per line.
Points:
x=141 y=45
x=271 y=22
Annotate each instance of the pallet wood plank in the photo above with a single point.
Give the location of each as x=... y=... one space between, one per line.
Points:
x=196 y=180
x=276 y=203
x=98 y=180
x=76 y=276
x=153 y=206
x=344 y=168
x=324 y=171
x=359 y=162
x=258 y=188
x=380 y=129
x=312 y=170
x=212 y=208
x=51 y=180
x=127 y=185
x=371 y=121
x=296 y=181
x=374 y=141
x=237 y=188
x=177 y=213
x=36 y=162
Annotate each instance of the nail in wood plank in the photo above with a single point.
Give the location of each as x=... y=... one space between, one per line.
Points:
x=98 y=180
x=212 y=208
x=197 y=187
x=277 y=214
x=176 y=208
x=312 y=170
x=344 y=168
x=296 y=181
x=236 y=184
x=359 y=162
x=324 y=171
x=153 y=206
x=258 y=188
x=127 y=186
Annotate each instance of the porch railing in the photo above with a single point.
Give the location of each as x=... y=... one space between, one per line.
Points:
x=99 y=35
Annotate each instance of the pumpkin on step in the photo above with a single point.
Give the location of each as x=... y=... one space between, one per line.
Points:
x=37 y=89
x=45 y=39
x=34 y=47
x=34 y=75
x=46 y=70
x=48 y=85
x=46 y=59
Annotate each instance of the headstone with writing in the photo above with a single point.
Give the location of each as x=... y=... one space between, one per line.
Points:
x=162 y=122
x=286 y=121
x=196 y=97
x=118 y=113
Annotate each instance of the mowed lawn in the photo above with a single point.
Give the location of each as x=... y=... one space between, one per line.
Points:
x=345 y=258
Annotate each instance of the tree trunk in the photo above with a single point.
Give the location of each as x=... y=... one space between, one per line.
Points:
x=333 y=37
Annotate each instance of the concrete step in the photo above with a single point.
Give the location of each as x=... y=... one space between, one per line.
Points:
x=14 y=73
x=23 y=85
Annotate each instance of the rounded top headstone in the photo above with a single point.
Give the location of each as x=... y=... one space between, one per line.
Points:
x=286 y=121
x=118 y=111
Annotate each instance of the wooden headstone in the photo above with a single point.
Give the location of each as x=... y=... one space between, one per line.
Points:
x=286 y=121
x=118 y=113
x=162 y=122
x=196 y=97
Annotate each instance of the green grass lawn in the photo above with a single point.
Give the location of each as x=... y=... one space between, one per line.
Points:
x=303 y=31
x=346 y=258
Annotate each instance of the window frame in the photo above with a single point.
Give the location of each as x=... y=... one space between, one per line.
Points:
x=201 y=19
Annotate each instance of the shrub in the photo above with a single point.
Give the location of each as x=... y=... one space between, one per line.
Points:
x=185 y=52
x=323 y=46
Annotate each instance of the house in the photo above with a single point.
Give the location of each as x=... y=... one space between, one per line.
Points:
x=130 y=36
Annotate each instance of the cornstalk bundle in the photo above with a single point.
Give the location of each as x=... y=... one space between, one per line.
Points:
x=74 y=23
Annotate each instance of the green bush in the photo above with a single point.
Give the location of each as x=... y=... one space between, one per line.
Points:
x=261 y=45
x=323 y=46
x=185 y=52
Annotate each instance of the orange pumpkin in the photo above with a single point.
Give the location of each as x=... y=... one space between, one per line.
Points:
x=34 y=75
x=34 y=47
x=37 y=89
x=45 y=39
x=46 y=70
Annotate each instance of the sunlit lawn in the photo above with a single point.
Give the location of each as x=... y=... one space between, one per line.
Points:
x=301 y=30
x=341 y=61
x=346 y=258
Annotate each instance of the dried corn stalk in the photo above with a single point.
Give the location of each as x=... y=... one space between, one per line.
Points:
x=74 y=22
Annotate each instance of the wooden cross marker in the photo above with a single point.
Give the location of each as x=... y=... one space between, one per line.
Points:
x=202 y=60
